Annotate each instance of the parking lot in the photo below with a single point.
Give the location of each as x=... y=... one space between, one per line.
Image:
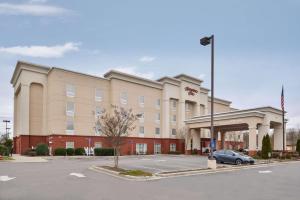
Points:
x=163 y=163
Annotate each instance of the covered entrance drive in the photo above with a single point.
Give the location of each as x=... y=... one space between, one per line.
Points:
x=258 y=122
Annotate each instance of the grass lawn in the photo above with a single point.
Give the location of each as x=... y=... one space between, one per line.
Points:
x=136 y=173
x=3 y=158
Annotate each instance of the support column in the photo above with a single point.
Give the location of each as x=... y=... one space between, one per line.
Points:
x=188 y=142
x=278 y=138
x=263 y=129
x=197 y=113
x=223 y=133
x=196 y=140
x=181 y=113
x=252 y=139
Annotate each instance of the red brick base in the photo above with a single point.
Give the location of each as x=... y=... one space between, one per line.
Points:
x=24 y=142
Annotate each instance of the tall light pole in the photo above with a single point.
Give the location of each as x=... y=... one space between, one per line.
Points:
x=6 y=129
x=206 y=41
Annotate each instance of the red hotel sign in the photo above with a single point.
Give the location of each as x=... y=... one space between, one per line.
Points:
x=191 y=91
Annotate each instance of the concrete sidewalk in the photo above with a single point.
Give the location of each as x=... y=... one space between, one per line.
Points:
x=26 y=159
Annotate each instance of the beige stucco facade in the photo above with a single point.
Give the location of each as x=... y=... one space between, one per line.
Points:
x=55 y=101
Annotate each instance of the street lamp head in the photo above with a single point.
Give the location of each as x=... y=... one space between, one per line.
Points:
x=205 y=41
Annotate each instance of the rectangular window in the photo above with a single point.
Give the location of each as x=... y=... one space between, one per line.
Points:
x=141 y=149
x=69 y=145
x=123 y=98
x=141 y=131
x=157 y=131
x=174 y=104
x=97 y=129
x=98 y=111
x=157 y=104
x=172 y=147
x=173 y=131
x=98 y=145
x=98 y=94
x=70 y=126
x=141 y=101
x=157 y=118
x=174 y=118
x=70 y=108
x=187 y=107
x=70 y=90
x=142 y=117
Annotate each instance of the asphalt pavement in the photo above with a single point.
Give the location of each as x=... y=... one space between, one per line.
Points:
x=71 y=179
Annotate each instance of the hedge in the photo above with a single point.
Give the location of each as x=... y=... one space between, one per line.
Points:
x=60 y=152
x=70 y=151
x=42 y=150
x=4 y=151
x=79 y=151
x=104 y=151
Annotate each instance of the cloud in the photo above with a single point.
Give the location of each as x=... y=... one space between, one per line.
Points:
x=38 y=1
x=31 y=9
x=41 y=51
x=201 y=76
x=147 y=59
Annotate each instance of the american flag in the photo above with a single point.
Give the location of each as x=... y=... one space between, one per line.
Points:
x=282 y=99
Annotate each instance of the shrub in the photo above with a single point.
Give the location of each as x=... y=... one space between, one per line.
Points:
x=266 y=147
x=298 y=146
x=8 y=143
x=42 y=150
x=60 y=152
x=104 y=151
x=79 y=151
x=4 y=151
x=194 y=152
x=70 y=151
x=275 y=154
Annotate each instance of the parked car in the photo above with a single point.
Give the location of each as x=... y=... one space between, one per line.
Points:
x=229 y=156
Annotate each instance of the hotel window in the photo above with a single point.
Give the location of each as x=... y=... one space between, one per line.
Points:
x=141 y=149
x=141 y=101
x=98 y=111
x=174 y=119
x=98 y=95
x=70 y=107
x=142 y=131
x=70 y=90
x=187 y=107
x=70 y=145
x=173 y=131
x=174 y=104
x=141 y=117
x=98 y=145
x=172 y=147
x=97 y=129
x=157 y=105
x=123 y=98
x=70 y=126
x=157 y=131
x=157 y=118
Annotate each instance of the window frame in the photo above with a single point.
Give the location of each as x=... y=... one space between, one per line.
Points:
x=70 y=113
x=98 y=98
x=70 y=90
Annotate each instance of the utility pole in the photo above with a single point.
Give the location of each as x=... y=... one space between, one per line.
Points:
x=6 y=128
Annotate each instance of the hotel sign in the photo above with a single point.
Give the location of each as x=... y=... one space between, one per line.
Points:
x=191 y=91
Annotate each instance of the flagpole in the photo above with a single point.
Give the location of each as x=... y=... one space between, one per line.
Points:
x=283 y=120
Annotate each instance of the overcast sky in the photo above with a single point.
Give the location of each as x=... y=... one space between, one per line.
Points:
x=257 y=43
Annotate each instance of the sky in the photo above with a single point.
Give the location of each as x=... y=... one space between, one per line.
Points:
x=257 y=44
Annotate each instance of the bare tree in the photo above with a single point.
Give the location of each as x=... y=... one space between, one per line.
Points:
x=292 y=136
x=116 y=126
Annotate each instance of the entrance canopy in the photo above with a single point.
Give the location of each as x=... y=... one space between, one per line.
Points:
x=257 y=119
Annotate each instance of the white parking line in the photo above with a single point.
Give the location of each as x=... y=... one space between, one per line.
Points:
x=6 y=178
x=265 y=172
x=77 y=175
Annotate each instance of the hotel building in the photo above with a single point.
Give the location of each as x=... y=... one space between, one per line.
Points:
x=59 y=107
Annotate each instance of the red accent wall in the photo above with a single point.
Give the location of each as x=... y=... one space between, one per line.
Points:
x=24 y=142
